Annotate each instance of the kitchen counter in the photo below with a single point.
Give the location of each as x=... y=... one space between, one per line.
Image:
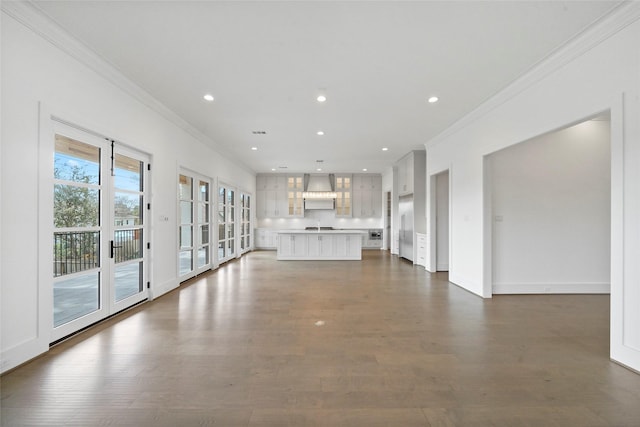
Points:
x=320 y=245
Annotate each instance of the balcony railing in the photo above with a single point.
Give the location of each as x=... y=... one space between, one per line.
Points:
x=75 y=251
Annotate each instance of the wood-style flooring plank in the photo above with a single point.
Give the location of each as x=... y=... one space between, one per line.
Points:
x=380 y=342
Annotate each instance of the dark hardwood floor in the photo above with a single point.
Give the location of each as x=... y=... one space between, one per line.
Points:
x=261 y=342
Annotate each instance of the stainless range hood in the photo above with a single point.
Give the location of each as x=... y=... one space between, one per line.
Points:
x=318 y=191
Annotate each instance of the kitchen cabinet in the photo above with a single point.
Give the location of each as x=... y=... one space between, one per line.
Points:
x=295 y=201
x=406 y=173
x=343 y=189
x=367 y=196
x=279 y=196
x=266 y=238
x=348 y=246
x=293 y=246
x=320 y=245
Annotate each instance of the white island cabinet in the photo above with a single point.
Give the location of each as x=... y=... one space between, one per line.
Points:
x=320 y=245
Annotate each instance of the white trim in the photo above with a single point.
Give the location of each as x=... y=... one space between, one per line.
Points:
x=616 y=20
x=32 y=17
x=552 y=288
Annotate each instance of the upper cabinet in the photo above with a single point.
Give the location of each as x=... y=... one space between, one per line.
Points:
x=295 y=201
x=411 y=168
x=343 y=187
x=271 y=196
x=367 y=196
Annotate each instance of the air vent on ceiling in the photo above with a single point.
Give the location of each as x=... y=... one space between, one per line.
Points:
x=259 y=132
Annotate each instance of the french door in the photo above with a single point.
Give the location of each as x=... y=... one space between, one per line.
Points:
x=226 y=223
x=100 y=229
x=245 y=222
x=194 y=230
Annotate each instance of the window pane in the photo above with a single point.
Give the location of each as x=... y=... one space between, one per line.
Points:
x=186 y=212
x=128 y=280
x=74 y=252
x=203 y=212
x=127 y=209
x=203 y=256
x=203 y=194
x=185 y=184
x=75 y=297
x=76 y=161
x=204 y=234
x=230 y=197
x=75 y=206
x=127 y=245
x=128 y=173
x=221 y=195
x=221 y=232
x=185 y=236
x=186 y=262
x=221 y=250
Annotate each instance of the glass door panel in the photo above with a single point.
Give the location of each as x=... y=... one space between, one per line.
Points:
x=76 y=239
x=127 y=244
x=98 y=230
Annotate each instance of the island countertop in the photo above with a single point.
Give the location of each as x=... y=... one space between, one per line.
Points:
x=320 y=244
x=340 y=231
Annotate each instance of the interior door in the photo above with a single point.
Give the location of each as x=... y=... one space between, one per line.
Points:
x=99 y=216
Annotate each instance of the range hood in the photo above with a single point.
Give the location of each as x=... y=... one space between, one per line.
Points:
x=318 y=191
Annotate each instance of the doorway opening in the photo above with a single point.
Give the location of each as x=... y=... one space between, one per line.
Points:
x=550 y=212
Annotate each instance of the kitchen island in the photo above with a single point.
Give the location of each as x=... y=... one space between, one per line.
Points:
x=320 y=245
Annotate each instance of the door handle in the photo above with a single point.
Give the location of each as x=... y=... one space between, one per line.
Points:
x=112 y=249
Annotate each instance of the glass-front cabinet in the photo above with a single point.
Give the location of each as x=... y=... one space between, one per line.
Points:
x=343 y=195
x=295 y=201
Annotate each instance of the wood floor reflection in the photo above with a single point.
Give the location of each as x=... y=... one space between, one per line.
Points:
x=261 y=342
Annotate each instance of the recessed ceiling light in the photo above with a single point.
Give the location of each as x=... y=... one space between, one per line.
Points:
x=321 y=98
x=273 y=169
x=385 y=149
x=319 y=169
x=254 y=148
x=364 y=169
x=320 y=133
x=433 y=99
x=208 y=97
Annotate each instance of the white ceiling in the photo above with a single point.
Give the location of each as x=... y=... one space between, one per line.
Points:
x=378 y=62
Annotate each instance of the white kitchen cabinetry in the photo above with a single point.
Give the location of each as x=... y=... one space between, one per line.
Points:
x=293 y=246
x=320 y=245
x=266 y=238
x=421 y=249
x=295 y=201
x=343 y=191
x=406 y=170
x=279 y=196
x=367 y=196
x=348 y=246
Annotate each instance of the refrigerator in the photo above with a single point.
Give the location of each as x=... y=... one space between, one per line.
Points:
x=405 y=211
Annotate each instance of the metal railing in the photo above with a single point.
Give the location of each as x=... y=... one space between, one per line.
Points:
x=75 y=251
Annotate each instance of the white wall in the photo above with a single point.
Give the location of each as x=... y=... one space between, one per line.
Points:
x=599 y=71
x=551 y=212
x=38 y=76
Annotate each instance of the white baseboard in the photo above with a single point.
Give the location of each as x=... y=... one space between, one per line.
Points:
x=442 y=267
x=163 y=288
x=552 y=288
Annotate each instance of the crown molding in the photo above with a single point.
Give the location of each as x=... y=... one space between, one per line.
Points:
x=29 y=15
x=618 y=18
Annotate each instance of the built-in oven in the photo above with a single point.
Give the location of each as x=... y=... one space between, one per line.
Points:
x=375 y=234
